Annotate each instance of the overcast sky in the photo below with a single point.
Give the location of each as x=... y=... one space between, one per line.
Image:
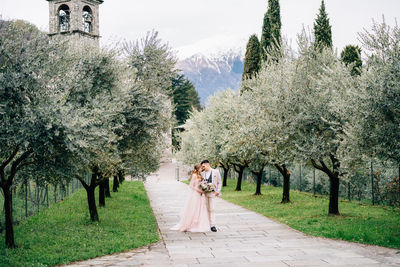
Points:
x=213 y=25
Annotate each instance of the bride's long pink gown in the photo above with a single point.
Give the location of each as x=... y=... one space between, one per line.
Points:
x=195 y=217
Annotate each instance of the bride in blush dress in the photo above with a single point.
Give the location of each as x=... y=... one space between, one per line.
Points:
x=195 y=215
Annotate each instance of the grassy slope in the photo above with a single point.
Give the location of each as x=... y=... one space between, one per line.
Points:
x=63 y=233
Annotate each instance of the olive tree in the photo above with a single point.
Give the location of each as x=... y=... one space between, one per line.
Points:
x=270 y=99
x=91 y=111
x=30 y=129
x=207 y=132
x=148 y=115
x=321 y=94
x=377 y=129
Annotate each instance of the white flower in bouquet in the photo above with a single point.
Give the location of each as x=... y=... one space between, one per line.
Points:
x=207 y=187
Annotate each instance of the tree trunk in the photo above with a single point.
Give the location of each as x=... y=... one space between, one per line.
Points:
x=115 y=184
x=334 y=195
x=121 y=177
x=224 y=182
x=333 y=180
x=239 y=182
x=286 y=182
x=102 y=199
x=259 y=181
x=90 y=190
x=107 y=187
x=10 y=242
x=286 y=188
x=5 y=185
x=94 y=216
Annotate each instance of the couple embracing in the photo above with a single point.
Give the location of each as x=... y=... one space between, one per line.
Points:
x=199 y=211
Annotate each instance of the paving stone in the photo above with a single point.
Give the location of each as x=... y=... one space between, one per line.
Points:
x=227 y=260
x=264 y=264
x=261 y=258
x=217 y=265
x=358 y=260
x=185 y=261
x=306 y=263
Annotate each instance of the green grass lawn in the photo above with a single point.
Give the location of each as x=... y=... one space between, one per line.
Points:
x=362 y=223
x=63 y=233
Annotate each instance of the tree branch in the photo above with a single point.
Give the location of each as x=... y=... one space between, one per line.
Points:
x=285 y=169
x=318 y=167
x=235 y=167
x=324 y=166
x=5 y=163
x=15 y=165
x=84 y=184
x=222 y=164
x=260 y=170
x=335 y=162
x=2 y=177
x=25 y=164
x=280 y=168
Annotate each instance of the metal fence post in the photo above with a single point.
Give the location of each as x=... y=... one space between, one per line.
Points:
x=47 y=195
x=177 y=171
x=26 y=198
x=348 y=191
x=61 y=191
x=372 y=184
x=314 y=180
x=269 y=172
x=300 y=177
x=38 y=197
x=55 y=193
x=399 y=171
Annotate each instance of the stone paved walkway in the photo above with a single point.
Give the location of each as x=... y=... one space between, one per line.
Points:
x=244 y=238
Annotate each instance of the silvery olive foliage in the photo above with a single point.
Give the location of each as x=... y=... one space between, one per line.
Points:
x=270 y=110
x=92 y=107
x=31 y=134
x=207 y=132
x=307 y=107
x=321 y=91
x=66 y=111
x=153 y=62
x=293 y=110
x=28 y=128
x=121 y=108
x=149 y=114
x=377 y=128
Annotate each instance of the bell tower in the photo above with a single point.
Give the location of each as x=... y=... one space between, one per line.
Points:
x=77 y=19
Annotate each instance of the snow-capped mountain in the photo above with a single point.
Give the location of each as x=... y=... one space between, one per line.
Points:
x=213 y=73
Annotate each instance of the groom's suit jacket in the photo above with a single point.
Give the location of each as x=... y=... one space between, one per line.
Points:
x=216 y=181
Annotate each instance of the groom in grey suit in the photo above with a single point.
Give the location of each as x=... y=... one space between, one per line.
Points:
x=212 y=176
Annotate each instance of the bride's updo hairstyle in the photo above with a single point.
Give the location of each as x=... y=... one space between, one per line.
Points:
x=197 y=171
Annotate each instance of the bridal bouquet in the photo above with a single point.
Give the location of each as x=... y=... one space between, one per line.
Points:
x=207 y=187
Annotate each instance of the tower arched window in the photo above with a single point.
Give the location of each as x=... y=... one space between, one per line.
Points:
x=63 y=18
x=87 y=19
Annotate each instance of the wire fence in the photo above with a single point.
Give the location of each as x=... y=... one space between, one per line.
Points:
x=30 y=197
x=377 y=183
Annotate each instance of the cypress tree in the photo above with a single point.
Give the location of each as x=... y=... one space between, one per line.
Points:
x=252 y=58
x=185 y=98
x=352 y=55
x=271 y=30
x=322 y=29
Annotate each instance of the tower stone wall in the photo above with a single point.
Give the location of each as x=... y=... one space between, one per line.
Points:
x=76 y=29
